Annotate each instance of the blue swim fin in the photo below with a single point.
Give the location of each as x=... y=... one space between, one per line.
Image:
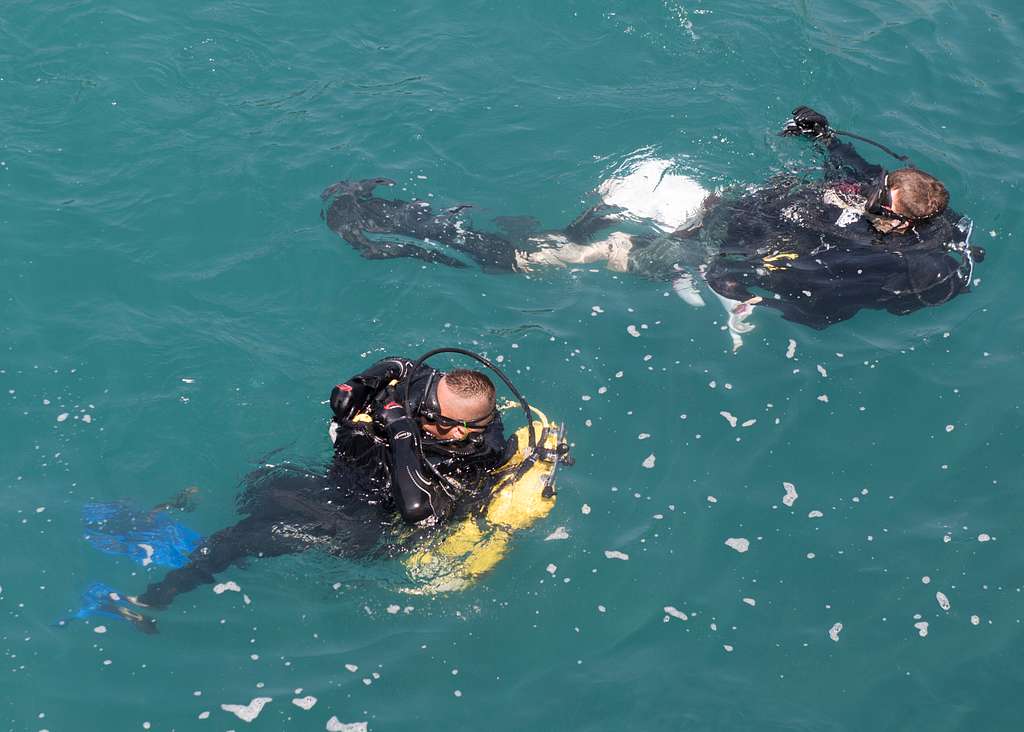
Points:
x=145 y=537
x=102 y=600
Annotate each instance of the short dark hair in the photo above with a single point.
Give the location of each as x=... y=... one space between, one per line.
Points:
x=470 y=384
x=921 y=195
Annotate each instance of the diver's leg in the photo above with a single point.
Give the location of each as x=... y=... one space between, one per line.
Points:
x=252 y=536
x=554 y=250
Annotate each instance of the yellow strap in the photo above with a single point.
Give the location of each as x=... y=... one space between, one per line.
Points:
x=777 y=257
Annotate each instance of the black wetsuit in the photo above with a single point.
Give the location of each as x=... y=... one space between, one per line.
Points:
x=356 y=508
x=806 y=244
x=353 y=212
x=814 y=265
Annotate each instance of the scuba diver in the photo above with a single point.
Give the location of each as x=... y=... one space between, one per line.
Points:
x=414 y=448
x=859 y=237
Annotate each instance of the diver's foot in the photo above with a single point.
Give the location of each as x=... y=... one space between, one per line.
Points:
x=140 y=622
x=134 y=600
x=686 y=289
x=104 y=601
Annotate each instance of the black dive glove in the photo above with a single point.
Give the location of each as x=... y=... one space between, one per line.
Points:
x=349 y=399
x=397 y=425
x=807 y=123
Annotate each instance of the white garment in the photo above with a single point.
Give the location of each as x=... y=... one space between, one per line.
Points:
x=649 y=192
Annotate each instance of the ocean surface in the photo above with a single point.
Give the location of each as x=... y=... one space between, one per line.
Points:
x=174 y=311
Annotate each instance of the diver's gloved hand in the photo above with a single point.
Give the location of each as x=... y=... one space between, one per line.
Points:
x=807 y=123
x=349 y=399
x=395 y=422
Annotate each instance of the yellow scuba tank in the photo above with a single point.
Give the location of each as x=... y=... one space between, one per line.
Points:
x=522 y=494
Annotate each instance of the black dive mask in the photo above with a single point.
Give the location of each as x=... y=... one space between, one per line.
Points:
x=429 y=410
x=879 y=200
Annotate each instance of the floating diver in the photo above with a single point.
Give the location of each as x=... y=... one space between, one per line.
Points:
x=421 y=471
x=820 y=250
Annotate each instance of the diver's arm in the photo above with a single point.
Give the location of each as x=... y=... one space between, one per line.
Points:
x=413 y=492
x=842 y=159
x=351 y=397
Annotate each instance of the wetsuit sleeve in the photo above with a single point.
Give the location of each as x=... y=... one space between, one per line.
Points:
x=415 y=494
x=352 y=396
x=842 y=161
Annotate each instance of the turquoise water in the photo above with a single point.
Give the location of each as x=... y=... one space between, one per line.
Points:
x=164 y=271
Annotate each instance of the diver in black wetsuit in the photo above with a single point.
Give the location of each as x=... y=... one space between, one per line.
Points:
x=821 y=249
x=415 y=442
x=858 y=238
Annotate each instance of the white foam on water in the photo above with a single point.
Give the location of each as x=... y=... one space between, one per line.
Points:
x=823 y=398
x=942 y=600
x=834 y=631
x=922 y=628
x=633 y=331
x=791 y=349
x=679 y=614
x=585 y=509
x=552 y=568
x=221 y=588
x=729 y=418
x=351 y=667
x=613 y=554
x=975 y=620
x=984 y=537
x=750 y=601
x=148 y=559
x=822 y=371
x=791 y=495
x=334 y=725
x=557 y=535
x=306 y=702
x=815 y=514
x=250 y=711
x=649 y=461
x=739 y=544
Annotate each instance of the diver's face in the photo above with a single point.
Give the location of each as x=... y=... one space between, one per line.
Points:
x=885 y=225
x=458 y=409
